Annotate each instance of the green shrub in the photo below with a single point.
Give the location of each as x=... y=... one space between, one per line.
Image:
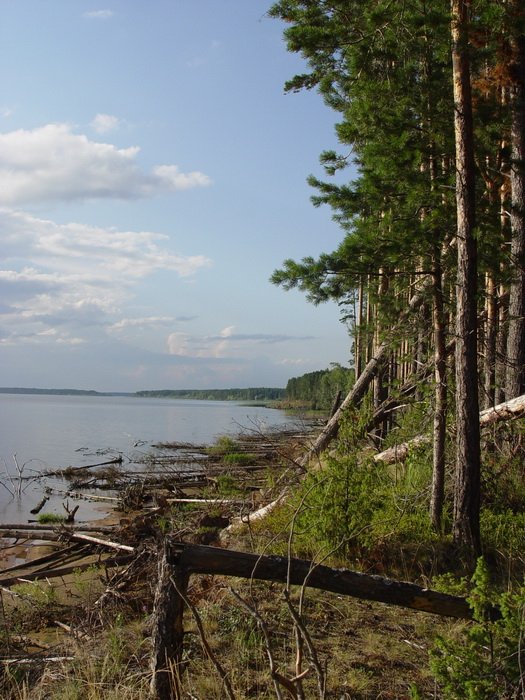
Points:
x=50 y=518
x=227 y=485
x=223 y=445
x=335 y=507
x=486 y=661
x=238 y=459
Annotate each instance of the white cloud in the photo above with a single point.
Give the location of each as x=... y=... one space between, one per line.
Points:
x=98 y=14
x=142 y=322
x=227 y=332
x=90 y=250
x=102 y=123
x=52 y=163
x=226 y=344
x=77 y=278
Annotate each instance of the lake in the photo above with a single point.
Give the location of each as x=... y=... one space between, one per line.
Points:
x=50 y=432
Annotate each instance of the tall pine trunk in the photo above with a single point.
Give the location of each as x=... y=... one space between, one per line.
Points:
x=467 y=482
x=515 y=375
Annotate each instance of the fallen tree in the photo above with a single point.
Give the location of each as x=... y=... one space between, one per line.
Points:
x=515 y=408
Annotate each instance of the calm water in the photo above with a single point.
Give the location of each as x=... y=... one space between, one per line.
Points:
x=47 y=432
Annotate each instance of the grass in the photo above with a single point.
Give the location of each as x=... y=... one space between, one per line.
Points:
x=50 y=518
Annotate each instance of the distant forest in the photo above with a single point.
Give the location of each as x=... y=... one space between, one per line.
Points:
x=319 y=389
x=250 y=394
x=315 y=390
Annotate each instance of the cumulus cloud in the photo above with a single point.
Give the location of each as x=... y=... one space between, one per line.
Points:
x=76 y=277
x=52 y=163
x=102 y=123
x=98 y=14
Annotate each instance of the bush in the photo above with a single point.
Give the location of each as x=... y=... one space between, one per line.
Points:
x=486 y=661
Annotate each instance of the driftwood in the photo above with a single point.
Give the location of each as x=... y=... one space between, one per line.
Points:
x=515 y=408
x=63 y=571
x=38 y=527
x=60 y=554
x=68 y=470
x=39 y=505
x=102 y=543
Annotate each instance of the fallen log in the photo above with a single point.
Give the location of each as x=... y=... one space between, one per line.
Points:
x=68 y=470
x=503 y=411
x=201 y=559
x=61 y=554
x=102 y=543
x=515 y=408
x=39 y=506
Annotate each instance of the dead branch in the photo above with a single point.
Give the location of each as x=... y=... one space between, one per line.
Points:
x=321 y=679
x=64 y=571
x=277 y=678
x=103 y=543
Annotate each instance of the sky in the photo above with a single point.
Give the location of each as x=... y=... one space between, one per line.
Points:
x=152 y=177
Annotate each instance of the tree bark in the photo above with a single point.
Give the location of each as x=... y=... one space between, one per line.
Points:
x=465 y=528
x=168 y=633
x=515 y=375
x=437 y=495
x=489 y=375
x=200 y=559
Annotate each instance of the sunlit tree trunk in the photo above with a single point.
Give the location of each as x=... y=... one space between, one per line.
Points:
x=440 y=397
x=466 y=532
x=515 y=375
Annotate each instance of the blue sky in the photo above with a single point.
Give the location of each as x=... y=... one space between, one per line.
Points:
x=152 y=176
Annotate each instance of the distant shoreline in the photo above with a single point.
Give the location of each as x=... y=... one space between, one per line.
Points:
x=62 y=392
x=249 y=394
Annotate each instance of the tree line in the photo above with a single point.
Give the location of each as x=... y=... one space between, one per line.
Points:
x=249 y=394
x=320 y=389
x=430 y=271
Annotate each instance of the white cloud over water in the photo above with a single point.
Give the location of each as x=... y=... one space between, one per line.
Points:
x=52 y=163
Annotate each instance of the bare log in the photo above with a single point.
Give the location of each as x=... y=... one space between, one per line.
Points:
x=39 y=505
x=69 y=470
x=503 y=411
x=399 y=453
x=103 y=543
x=515 y=408
x=200 y=559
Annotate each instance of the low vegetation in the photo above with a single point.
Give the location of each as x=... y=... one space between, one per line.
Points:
x=353 y=512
